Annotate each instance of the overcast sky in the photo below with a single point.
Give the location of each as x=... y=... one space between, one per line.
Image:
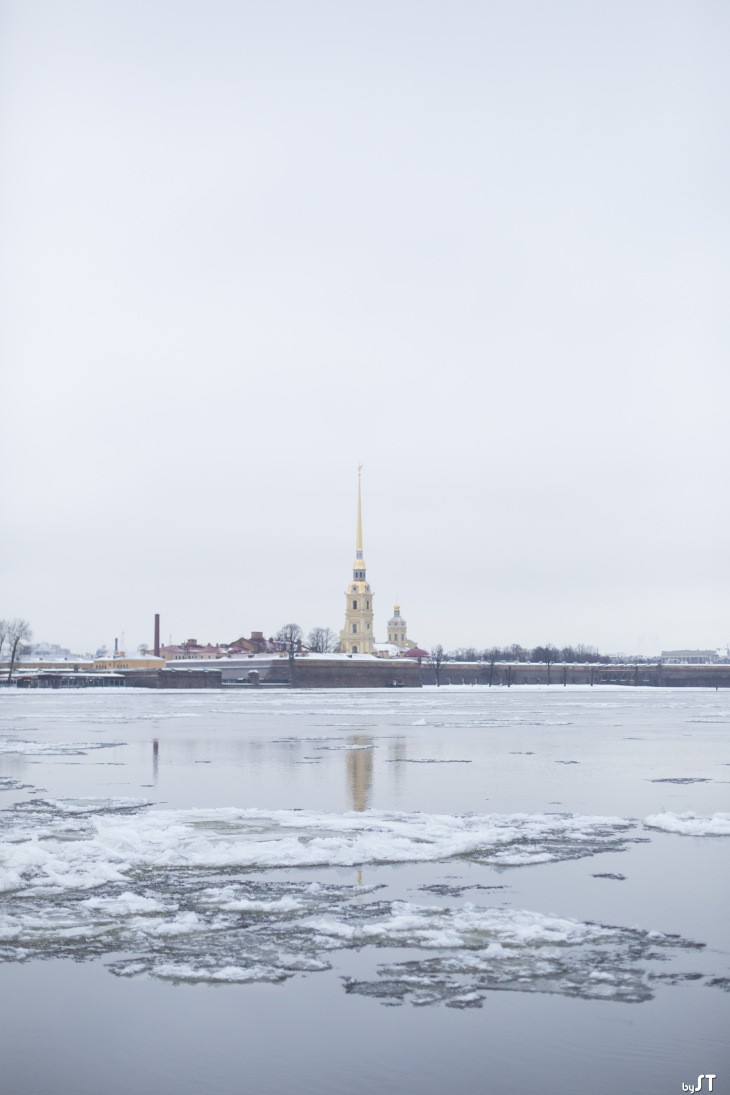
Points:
x=481 y=247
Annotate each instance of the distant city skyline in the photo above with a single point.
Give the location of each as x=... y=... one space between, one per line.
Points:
x=481 y=249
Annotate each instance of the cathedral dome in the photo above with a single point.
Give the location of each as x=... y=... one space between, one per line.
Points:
x=396 y=620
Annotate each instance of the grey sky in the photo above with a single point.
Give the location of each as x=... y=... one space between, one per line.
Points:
x=481 y=247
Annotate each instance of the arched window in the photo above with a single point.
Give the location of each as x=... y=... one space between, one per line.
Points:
x=354 y=629
x=354 y=604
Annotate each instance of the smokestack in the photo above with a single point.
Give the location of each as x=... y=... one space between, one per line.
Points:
x=157 y=634
x=116 y=646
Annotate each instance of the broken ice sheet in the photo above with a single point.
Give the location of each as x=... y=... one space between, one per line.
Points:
x=460 y=952
x=19 y=747
x=179 y=895
x=491 y=950
x=9 y=784
x=118 y=837
x=690 y=824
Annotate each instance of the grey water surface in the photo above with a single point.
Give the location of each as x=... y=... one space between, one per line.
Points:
x=449 y=890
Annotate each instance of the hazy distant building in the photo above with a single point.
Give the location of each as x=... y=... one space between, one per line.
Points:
x=690 y=657
x=356 y=636
x=191 y=648
x=257 y=644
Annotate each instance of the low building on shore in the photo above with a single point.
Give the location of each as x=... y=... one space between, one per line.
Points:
x=691 y=657
x=114 y=662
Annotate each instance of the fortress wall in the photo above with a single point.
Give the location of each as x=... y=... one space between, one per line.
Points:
x=664 y=676
x=379 y=673
x=173 y=678
x=382 y=673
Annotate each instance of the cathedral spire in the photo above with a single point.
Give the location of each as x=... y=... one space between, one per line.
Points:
x=359 y=556
x=356 y=636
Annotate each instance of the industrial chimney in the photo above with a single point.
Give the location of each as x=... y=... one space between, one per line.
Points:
x=157 y=634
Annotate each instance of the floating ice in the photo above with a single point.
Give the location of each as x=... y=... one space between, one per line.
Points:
x=689 y=824
x=487 y=949
x=257 y=930
x=346 y=746
x=174 y=894
x=17 y=746
x=683 y=780
x=425 y=760
x=87 y=842
x=444 y=889
x=127 y=904
x=8 y=784
x=96 y=805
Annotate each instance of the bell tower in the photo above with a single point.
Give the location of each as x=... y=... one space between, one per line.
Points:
x=356 y=636
x=397 y=628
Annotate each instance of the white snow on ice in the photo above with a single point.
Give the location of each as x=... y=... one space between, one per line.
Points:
x=689 y=824
x=106 y=840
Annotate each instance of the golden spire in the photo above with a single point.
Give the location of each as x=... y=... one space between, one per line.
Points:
x=358 y=543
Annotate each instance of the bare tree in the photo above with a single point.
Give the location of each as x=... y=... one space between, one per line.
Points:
x=548 y=654
x=3 y=635
x=18 y=631
x=289 y=638
x=492 y=656
x=585 y=653
x=322 y=640
x=463 y=654
x=436 y=660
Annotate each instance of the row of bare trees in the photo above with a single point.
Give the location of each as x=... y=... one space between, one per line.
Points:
x=547 y=654
x=13 y=633
x=320 y=640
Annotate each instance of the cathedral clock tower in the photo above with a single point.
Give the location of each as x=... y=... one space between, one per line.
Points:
x=357 y=635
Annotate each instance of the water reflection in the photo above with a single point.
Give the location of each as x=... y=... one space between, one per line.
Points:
x=359 y=767
x=155 y=760
x=398 y=752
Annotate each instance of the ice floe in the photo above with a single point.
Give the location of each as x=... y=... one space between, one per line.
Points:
x=179 y=895
x=9 y=784
x=487 y=949
x=425 y=760
x=689 y=824
x=17 y=746
x=86 y=842
x=254 y=930
x=682 y=780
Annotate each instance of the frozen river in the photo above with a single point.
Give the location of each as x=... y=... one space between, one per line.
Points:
x=454 y=890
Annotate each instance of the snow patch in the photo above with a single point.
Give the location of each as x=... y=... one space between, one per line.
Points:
x=689 y=824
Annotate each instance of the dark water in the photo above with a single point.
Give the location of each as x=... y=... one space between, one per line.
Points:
x=597 y=1010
